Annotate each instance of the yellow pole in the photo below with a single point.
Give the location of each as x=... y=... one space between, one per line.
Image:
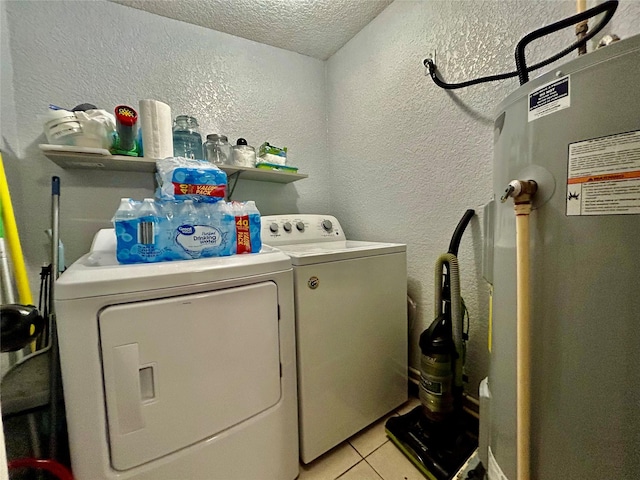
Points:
x=523 y=348
x=522 y=192
x=11 y=232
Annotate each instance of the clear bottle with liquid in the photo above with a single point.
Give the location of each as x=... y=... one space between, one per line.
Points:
x=206 y=213
x=187 y=141
x=127 y=210
x=188 y=213
x=149 y=215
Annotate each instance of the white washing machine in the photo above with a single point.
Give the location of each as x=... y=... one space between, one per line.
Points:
x=179 y=370
x=351 y=327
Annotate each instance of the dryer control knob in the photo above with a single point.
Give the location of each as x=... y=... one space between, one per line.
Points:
x=300 y=226
x=273 y=227
x=287 y=227
x=327 y=225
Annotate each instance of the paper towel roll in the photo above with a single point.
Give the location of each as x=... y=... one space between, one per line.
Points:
x=157 y=134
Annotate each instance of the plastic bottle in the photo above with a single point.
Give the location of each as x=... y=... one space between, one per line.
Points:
x=255 y=227
x=207 y=213
x=247 y=226
x=188 y=213
x=149 y=216
x=187 y=141
x=166 y=210
x=126 y=211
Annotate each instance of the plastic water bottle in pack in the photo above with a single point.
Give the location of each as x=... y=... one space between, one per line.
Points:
x=149 y=221
x=203 y=230
x=247 y=221
x=138 y=226
x=205 y=213
x=187 y=214
x=127 y=210
x=170 y=230
x=254 y=226
x=167 y=212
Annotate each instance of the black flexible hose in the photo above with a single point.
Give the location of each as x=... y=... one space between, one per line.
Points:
x=453 y=249
x=457 y=234
x=521 y=64
x=609 y=7
x=454 y=86
x=43 y=305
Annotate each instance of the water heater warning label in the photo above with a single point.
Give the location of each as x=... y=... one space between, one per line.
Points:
x=604 y=176
x=549 y=98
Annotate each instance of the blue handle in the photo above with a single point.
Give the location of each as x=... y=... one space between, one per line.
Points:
x=55 y=186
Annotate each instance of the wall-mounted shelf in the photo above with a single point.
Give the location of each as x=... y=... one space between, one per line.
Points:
x=259 y=174
x=105 y=161
x=249 y=173
x=96 y=161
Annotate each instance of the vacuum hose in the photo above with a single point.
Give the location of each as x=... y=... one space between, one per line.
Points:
x=442 y=347
x=456 y=308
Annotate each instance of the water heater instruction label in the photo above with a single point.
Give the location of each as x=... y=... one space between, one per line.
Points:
x=549 y=98
x=604 y=176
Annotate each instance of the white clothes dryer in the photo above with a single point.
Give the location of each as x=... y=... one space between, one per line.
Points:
x=351 y=327
x=179 y=370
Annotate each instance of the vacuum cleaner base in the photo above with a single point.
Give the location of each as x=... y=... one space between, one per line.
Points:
x=438 y=449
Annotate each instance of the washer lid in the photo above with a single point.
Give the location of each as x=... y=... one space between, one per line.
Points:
x=310 y=253
x=98 y=272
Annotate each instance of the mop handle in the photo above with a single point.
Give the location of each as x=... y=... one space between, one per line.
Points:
x=11 y=231
x=55 y=236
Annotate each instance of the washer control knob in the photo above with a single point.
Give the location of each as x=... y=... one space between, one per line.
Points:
x=287 y=227
x=273 y=227
x=300 y=226
x=327 y=225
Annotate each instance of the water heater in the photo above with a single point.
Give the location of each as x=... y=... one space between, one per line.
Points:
x=576 y=131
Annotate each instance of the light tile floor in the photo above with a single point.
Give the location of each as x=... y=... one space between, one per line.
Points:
x=368 y=455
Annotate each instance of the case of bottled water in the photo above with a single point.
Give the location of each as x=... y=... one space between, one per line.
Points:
x=157 y=231
x=184 y=178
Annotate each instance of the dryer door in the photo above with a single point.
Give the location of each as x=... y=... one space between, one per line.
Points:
x=182 y=369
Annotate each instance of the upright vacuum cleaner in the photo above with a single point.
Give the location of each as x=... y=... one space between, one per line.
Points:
x=438 y=436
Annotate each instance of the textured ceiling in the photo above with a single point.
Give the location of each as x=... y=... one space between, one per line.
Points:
x=317 y=28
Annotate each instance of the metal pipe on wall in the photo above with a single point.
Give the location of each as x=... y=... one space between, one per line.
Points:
x=583 y=27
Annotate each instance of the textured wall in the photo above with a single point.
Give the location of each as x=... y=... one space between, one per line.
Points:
x=8 y=110
x=316 y=28
x=68 y=53
x=407 y=158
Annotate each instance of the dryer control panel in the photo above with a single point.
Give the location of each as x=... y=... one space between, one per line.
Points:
x=300 y=228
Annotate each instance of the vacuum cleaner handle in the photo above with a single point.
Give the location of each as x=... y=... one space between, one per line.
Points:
x=457 y=234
